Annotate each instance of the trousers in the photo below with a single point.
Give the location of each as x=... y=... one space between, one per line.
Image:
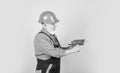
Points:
x=51 y=65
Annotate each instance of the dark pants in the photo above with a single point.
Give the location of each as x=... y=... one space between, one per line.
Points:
x=43 y=65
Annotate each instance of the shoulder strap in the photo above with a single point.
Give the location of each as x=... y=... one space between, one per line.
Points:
x=51 y=39
x=46 y=35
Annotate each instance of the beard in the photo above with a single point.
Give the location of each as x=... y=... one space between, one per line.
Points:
x=52 y=31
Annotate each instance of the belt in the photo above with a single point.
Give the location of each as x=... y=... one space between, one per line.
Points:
x=51 y=60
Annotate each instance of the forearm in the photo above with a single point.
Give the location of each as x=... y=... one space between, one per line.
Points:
x=71 y=50
x=67 y=48
x=67 y=52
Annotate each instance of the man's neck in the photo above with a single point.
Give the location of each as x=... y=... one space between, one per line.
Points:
x=52 y=32
x=48 y=31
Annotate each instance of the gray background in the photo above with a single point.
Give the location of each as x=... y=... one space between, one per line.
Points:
x=95 y=20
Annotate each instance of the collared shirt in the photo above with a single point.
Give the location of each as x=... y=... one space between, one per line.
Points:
x=44 y=46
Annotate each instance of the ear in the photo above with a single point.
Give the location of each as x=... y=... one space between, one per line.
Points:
x=44 y=25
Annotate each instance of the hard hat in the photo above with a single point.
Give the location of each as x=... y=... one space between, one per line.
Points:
x=48 y=17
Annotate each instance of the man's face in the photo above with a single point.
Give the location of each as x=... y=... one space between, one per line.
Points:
x=51 y=27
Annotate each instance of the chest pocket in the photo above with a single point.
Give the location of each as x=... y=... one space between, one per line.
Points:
x=54 y=40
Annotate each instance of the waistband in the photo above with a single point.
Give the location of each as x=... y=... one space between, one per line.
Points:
x=51 y=60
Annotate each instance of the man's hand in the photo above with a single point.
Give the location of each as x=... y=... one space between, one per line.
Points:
x=75 y=46
x=74 y=49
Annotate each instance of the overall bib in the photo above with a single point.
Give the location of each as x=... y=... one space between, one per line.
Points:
x=51 y=65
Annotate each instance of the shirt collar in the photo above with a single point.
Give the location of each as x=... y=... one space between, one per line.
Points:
x=45 y=31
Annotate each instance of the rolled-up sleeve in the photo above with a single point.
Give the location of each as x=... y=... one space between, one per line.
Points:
x=48 y=49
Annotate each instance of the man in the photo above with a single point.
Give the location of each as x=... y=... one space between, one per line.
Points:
x=48 y=50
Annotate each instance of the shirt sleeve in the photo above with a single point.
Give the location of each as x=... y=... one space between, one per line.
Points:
x=48 y=48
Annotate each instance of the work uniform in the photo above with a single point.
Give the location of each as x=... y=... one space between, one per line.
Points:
x=48 y=52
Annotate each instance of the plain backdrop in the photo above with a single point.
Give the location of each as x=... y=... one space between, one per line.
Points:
x=95 y=20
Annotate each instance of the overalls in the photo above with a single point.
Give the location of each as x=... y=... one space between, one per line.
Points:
x=51 y=65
